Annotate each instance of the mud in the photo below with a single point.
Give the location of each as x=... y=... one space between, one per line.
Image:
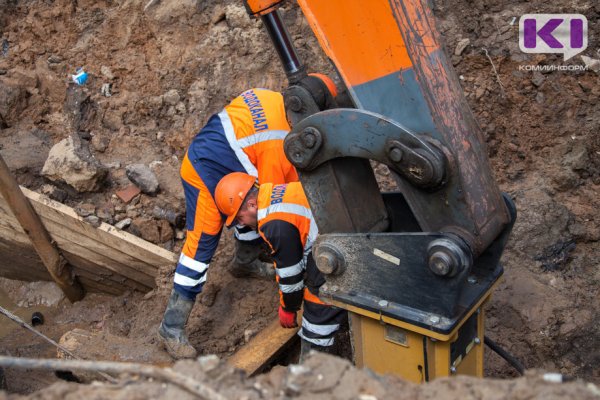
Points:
x=173 y=65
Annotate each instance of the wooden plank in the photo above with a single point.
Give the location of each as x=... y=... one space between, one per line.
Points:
x=107 y=277
x=22 y=263
x=108 y=234
x=263 y=348
x=106 y=258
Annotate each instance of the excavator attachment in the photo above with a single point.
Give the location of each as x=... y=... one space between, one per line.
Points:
x=413 y=268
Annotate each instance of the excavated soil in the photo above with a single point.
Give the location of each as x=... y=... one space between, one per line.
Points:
x=170 y=65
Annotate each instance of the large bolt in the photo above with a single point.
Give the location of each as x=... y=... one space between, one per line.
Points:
x=446 y=257
x=329 y=260
x=309 y=137
x=294 y=103
x=440 y=263
x=396 y=154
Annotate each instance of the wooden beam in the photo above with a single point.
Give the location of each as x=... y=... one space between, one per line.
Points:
x=106 y=259
x=263 y=348
x=57 y=266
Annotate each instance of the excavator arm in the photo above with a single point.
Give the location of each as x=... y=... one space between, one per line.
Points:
x=413 y=267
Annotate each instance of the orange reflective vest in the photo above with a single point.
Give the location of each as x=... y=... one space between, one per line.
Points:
x=255 y=126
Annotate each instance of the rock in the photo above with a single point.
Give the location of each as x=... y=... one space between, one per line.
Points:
x=32 y=294
x=54 y=193
x=166 y=231
x=104 y=70
x=591 y=63
x=112 y=120
x=123 y=224
x=578 y=158
x=100 y=143
x=537 y=79
x=461 y=46
x=148 y=229
x=565 y=180
x=85 y=210
x=54 y=59
x=70 y=161
x=143 y=177
x=171 y=97
x=13 y=100
x=93 y=220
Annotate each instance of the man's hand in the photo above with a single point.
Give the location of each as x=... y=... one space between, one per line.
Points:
x=287 y=319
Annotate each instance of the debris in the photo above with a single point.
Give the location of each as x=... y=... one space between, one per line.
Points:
x=174 y=218
x=93 y=220
x=143 y=177
x=123 y=224
x=104 y=70
x=105 y=90
x=171 y=97
x=556 y=257
x=591 y=63
x=461 y=46
x=128 y=193
x=54 y=193
x=80 y=77
x=70 y=161
x=54 y=59
x=537 y=79
x=5 y=47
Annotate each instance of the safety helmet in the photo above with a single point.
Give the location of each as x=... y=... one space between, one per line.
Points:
x=231 y=192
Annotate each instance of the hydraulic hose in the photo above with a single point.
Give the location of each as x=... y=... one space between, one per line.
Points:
x=512 y=360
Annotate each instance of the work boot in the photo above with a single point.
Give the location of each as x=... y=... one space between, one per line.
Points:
x=246 y=262
x=172 y=328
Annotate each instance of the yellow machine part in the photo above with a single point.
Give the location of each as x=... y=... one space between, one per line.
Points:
x=386 y=345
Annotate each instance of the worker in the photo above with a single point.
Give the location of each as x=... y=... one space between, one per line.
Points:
x=246 y=136
x=282 y=216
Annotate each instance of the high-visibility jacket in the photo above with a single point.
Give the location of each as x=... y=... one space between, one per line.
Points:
x=286 y=223
x=246 y=136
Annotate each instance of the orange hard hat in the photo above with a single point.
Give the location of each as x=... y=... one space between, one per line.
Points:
x=231 y=192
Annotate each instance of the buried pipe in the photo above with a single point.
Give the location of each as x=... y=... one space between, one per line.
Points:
x=57 y=266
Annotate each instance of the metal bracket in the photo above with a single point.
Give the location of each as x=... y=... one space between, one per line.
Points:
x=359 y=133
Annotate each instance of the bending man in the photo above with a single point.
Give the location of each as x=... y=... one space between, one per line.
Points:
x=246 y=136
x=284 y=220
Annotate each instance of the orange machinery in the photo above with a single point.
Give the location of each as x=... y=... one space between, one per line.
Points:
x=415 y=267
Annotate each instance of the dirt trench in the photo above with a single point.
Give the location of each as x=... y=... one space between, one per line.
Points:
x=173 y=64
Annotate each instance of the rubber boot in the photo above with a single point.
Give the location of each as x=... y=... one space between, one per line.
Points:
x=246 y=262
x=172 y=328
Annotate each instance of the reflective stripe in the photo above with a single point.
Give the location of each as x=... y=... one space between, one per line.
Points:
x=318 y=342
x=286 y=272
x=233 y=143
x=192 y=264
x=185 y=281
x=296 y=209
x=246 y=236
x=261 y=137
x=291 y=288
x=322 y=330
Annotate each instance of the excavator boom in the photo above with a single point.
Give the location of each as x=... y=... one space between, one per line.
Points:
x=413 y=267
